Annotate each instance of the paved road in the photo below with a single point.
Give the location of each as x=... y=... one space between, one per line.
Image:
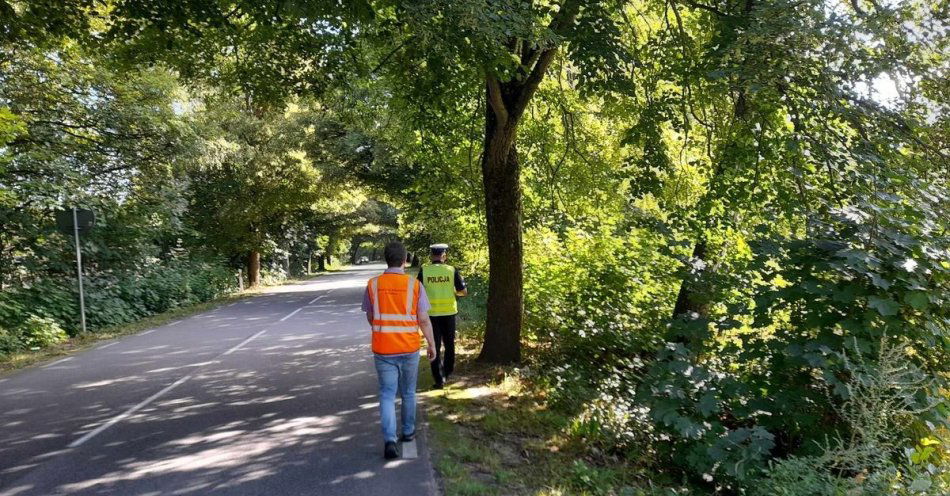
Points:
x=272 y=395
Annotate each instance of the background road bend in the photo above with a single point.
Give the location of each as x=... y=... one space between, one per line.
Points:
x=272 y=395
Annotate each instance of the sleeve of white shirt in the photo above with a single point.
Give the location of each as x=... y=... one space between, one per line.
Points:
x=424 y=305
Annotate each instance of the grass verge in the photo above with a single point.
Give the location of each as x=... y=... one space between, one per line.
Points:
x=493 y=433
x=22 y=359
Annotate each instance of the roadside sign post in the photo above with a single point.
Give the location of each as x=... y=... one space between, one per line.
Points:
x=82 y=298
x=74 y=221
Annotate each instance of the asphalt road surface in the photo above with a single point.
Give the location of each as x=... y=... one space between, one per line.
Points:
x=271 y=395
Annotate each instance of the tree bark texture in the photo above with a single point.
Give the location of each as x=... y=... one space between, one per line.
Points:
x=254 y=269
x=502 y=183
x=686 y=302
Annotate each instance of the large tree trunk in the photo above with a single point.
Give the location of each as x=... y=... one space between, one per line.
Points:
x=254 y=269
x=321 y=263
x=502 y=183
x=686 y=302
x=507 y=101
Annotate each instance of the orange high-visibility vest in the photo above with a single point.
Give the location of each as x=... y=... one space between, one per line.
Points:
x=395 y=299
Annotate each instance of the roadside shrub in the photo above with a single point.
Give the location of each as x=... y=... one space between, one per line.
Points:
x=474 y=307
x=9 y=342
x=763 y=391
x=768 y=380
x=591 y=301
x=108 y=303
x=872 y=460
x=112 y=298
x=11 y=310
x=40 y=332
x=51 y=298
x=115 y=299
x=273 y=275
x=210 y=281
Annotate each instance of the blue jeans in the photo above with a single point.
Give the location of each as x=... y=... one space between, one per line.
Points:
x=393 y=371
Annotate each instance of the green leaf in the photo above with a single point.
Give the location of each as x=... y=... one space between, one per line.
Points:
x=884 y=306
x=879 y=281
x=917 y=299
x=707 y=404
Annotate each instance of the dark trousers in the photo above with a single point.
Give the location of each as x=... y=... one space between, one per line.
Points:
x=443 y=330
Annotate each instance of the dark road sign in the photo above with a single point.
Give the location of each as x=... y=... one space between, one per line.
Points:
x=85 y=218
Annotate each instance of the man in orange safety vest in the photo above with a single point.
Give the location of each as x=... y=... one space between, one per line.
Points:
x=396 y=308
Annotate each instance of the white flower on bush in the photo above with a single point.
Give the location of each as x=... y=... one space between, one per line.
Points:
x=909 y=265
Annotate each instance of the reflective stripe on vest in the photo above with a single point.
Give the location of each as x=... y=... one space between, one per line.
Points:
x=395 y=299
x=439 y=281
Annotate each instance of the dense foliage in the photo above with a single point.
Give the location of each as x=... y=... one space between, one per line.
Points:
x=184 y=184
x=724 y=250
x=727 y=219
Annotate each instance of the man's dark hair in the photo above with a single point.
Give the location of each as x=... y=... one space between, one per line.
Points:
x=395 y=254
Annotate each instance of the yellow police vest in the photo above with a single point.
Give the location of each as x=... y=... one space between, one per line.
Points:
x=439 y=281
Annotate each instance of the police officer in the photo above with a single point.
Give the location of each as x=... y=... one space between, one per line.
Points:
x=442 y=283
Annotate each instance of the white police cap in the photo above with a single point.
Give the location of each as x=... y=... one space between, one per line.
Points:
x=439 y=247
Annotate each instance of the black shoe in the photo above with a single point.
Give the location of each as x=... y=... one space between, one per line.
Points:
x=438 y=386
x=405 y=438
x=389 y=452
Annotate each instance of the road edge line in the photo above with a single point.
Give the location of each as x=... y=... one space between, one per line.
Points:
x=126 y=414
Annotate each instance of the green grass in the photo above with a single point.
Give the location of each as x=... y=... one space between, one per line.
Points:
x=19 y=360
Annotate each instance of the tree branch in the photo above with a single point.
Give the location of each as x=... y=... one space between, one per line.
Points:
x=390 y=54
x=701 y=6
x=563 y=20
x=496 y=101
x=531 y=58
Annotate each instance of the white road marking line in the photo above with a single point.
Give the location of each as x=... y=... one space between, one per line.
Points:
x=242 y=343
x=57 y=362
x=322 y=295
x=291 y=314
x=127 y=413
x=409 y=450
x=151 y=398
x=107 y=345
x=174 y=323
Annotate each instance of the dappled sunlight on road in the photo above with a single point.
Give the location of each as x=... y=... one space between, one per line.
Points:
x=361 y=273
x=264 y=394
x=248 y=454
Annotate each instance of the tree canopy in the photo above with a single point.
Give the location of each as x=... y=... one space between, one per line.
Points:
x=718 y=229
